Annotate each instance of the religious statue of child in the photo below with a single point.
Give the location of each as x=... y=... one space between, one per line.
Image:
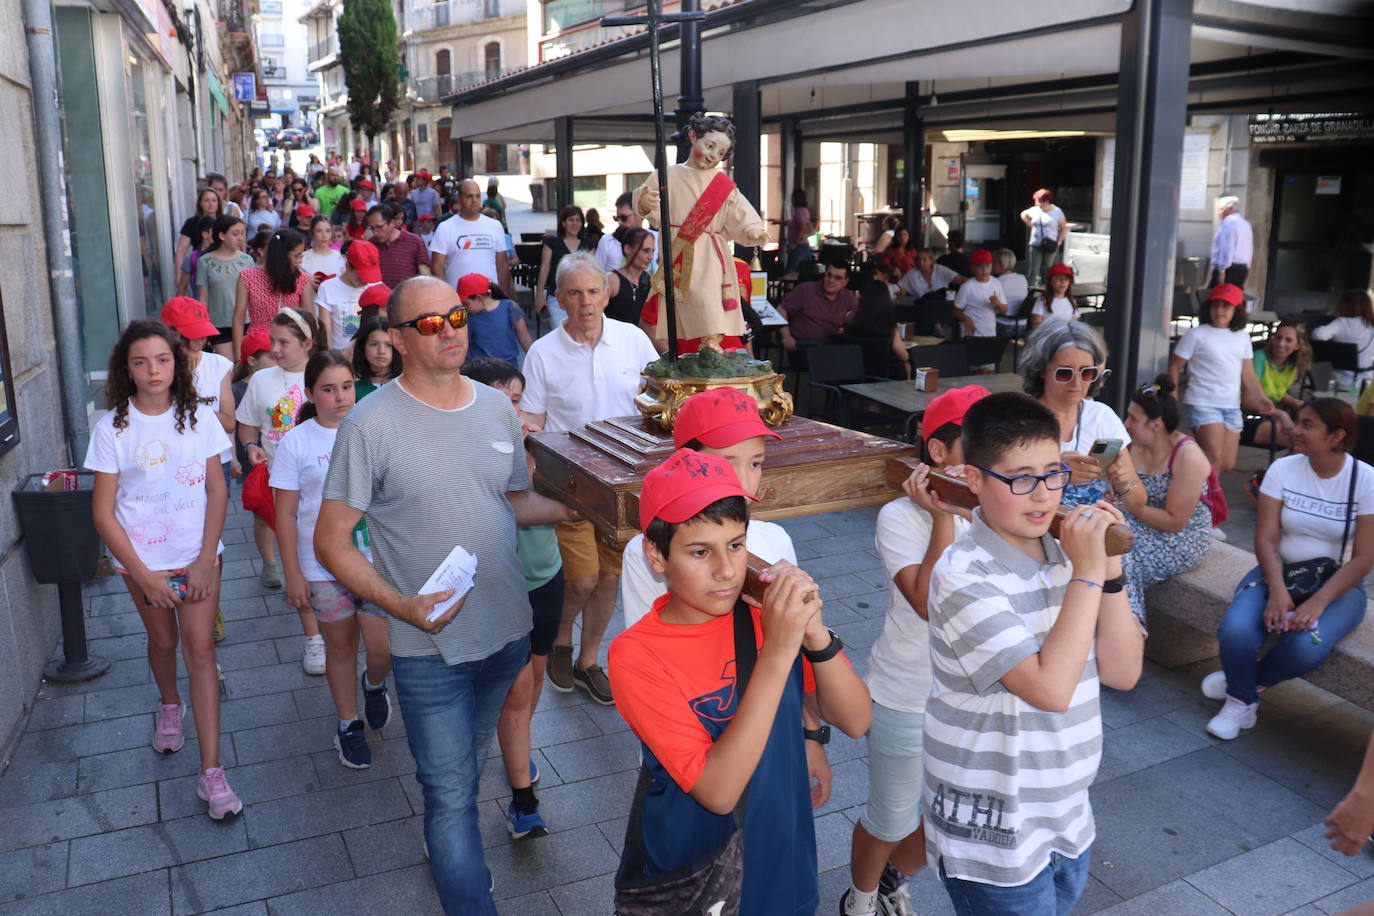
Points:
x=709 y=216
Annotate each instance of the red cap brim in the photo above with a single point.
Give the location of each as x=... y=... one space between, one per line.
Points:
x=687 y=505
x=731 y=433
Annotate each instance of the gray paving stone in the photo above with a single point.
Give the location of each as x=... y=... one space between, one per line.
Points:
x=1272 y=879
x=548 y=728
x=32 y=871
x=860 y=634
x=1143 y=744
x=141 y=764
x=271 y=626
x=135 y=645
x=1317 y=755
x=239 y=655
x=81 y=815
x=140 y=849
x=244 y=588
x=382 y=847
x=588 y=897
x=390 y=759
x=848 y=786
x=928 y=895
x=1153 y=696
x=1096 y=897
x=119 y=702
x=834 y=832
x=253 y=784
x=126 y=624
x=801 y=529
x=122 y=673
x=255 y=712
x=87 y=739
x=138 y=895
x=607 y=718
x=259 y=873
x=843 y=585
x=1185 y=814
x=537 y=904
x=254 y=745
x=560 y=858
x=1177 y=898
x=37 y=782
x=240 y=609
x=243 y=550
x=236 y=569
x=614 y=832
x=1355 y=893
x=587 y=801
x=55 y=712
x=325 y=811
x=594 y=756
x=315 y=701
x=405 y=890
x=1314 y=838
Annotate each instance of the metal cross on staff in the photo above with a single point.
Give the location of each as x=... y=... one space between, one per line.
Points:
x=655 y=19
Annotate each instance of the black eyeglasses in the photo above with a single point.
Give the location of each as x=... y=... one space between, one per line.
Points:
x=622 y=219
x=1025 y=484
x=429 y=325
x=1086 y=373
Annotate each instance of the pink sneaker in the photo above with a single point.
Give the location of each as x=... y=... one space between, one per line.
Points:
x=214 y=790
x=167 y=736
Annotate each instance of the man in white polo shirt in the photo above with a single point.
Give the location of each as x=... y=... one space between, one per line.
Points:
x=586 y=369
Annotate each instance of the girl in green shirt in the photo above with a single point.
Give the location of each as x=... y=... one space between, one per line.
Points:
x=1283 y=362
x=375 y=361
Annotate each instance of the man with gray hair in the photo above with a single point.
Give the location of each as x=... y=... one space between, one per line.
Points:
x=588 y=368
x=1233 y=246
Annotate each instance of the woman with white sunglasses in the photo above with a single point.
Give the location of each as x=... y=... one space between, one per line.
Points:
x=1062 y=365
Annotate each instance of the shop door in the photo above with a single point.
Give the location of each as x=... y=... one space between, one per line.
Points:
x=1321 y=237
x=985 y=199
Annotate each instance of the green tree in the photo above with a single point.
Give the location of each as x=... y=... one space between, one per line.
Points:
x=367 y=50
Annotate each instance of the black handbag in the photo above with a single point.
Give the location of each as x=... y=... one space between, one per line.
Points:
x=1047 y=245
x=713 y=885
x=1305 y=578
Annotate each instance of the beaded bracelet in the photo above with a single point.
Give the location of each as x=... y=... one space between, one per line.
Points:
x=1087 y=582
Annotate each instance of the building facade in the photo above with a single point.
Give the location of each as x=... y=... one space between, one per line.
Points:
x=282 y=37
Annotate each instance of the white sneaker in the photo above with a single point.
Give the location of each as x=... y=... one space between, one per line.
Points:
x=1214 y=686
x=1234 y=717
x=312 y=660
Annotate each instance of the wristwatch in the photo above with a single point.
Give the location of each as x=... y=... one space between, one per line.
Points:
x=826 y=654
x=819 y=735
x=1112 y=586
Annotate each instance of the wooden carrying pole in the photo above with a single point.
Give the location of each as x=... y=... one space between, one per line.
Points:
x=1120 y=538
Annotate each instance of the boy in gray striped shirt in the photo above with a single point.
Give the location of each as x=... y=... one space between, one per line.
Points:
x=1022 y=630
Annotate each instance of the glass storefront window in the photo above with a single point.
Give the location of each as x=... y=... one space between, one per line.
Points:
x=149 y=245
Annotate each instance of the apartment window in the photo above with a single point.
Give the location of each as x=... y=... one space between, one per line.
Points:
x=491 y=57
x=443 y=63
x=272 y=40
x=422 y=132
x=270 y=7
x=491 y=8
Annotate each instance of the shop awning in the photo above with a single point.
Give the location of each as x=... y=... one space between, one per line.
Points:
x=217 y=93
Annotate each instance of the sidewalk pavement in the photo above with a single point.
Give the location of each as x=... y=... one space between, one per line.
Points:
x=96 y=823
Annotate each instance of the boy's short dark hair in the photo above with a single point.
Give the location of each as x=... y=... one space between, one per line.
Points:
x=492 y=371
x=730 y=509
x=947 y=434
x=1001 y=422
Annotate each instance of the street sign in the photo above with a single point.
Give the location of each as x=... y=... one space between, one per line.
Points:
x=245 y=87
x=260 y=108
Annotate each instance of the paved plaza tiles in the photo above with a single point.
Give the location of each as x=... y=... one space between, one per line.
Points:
x=93 y=822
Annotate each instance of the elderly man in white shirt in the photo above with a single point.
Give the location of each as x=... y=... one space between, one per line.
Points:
x=1233 y=247
x=586 y=369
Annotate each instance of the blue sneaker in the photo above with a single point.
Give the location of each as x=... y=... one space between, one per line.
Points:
x=376 y=705
x=534 y=773
x=522 y=825
x=351 y=744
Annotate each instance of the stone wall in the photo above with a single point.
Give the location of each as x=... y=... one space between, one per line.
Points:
x=29 y=625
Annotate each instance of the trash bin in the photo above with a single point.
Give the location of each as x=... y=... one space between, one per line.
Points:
x=64 y=549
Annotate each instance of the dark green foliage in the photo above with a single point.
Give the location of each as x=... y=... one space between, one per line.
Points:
x=371 y=64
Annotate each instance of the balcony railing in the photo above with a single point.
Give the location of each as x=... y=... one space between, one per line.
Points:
x=274 y=73
x=322 y=49
x=562 y=14
x=452 y=12
x=234 y=15
x=435 y=88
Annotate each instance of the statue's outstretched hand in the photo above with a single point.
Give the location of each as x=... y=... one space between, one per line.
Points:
x=648 y=202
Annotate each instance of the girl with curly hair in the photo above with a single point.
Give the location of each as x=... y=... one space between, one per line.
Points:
x=159 y=503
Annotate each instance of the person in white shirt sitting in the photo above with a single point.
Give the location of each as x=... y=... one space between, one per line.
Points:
x=980 y=301
x=1356 y=326
x=1056 y=299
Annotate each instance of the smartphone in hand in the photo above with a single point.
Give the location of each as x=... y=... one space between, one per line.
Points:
x=1104 y=452
x=178 y=584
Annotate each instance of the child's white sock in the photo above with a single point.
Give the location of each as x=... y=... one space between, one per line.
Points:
x=860 y=903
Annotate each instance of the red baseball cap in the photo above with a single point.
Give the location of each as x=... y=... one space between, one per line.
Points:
x=470 y=285
x=362 y=257
x=366 y=184
x=358 y=204
x=1227 y=292
x=253 y=343
x=718 y=418
x=422 y=174
x=686 y=483
x=1060 y=270
x=950 y=407
x=981 y=256
x=305 y=211
x=189 y=318
x=376 y=294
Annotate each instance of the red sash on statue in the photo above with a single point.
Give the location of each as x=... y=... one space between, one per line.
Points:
x=684 y=246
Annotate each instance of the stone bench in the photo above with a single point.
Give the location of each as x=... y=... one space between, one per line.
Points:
x=1183 y=614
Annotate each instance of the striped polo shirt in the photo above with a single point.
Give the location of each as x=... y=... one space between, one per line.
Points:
x=1006 y=783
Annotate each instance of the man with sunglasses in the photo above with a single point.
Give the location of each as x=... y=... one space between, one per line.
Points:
x=588 y=368
x=818 y=308
x=609 y=250
x=435 y=461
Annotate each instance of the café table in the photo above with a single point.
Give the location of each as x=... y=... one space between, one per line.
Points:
x=903 y=395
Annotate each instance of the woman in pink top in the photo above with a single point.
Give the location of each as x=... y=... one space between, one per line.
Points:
x=277 y=283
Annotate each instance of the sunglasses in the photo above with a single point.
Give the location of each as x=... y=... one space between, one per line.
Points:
x=622 y=219
x=1086 y=373
x=1025 y=484
x=429 y=325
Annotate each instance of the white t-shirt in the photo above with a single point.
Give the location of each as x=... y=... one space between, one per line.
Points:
x=915 y=284
x=302 y=464
x=1045 y=224
x=468 y=247
x=341 y=301
x=160 y=500
x=1059 y=308
x=272 y=402
x=974 y=299
x=1017 y=288
x=331 y=264
x=1215 y=357
x=574 y=384
x=207 y=375
x=899 y=674
x=1099 y=422
x=1314 y=509
x=1350 y=330
x=640 y=586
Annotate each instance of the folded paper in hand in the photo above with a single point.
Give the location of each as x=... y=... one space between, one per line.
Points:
x=456 y=573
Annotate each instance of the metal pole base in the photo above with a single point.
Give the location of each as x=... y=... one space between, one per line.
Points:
x=66 y=672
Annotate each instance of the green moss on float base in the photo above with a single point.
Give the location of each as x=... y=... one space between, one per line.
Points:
x=709 y=364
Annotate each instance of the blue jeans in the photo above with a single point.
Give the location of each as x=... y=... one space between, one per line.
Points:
x=1241 y=634
x=450 y=713
x=1053 y=892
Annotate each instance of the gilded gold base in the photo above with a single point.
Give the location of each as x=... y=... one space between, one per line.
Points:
x=661 y=400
